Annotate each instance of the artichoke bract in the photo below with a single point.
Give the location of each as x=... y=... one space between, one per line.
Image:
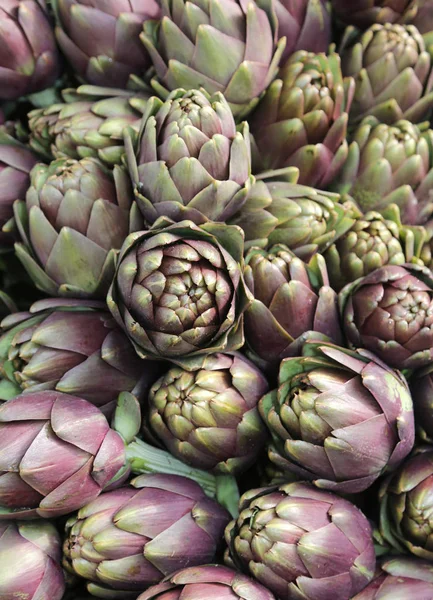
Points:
x=101 y=40
x=364 y=13
x=301 y=542
x=129 y=539
x=372 y=242
x=179 y=291
x=16 y=163
x=390 y=313
x=227 y=46
x=302 y=120
x=30 y=561
x=338 y=418
x=89 y=123
x=213 y=582
x=191 y=162
x=302 y=218
x=290 y=299
x=400 y=578
x=79 y=210
x=393 y=73
x=390 y=164
x=207 y=414
x=29 y=61
x=73 y=347
x=57 y=453
x=405 y=506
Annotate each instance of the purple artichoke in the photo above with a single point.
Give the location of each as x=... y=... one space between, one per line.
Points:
x=129 y=539
x=29 y=60
x=302 y=543
x=338 y=418
x=212 y=582
x=73 y=347
x=57 y=452
x=390 y=313
x=364 y=13
x=422 y=393
x=30 y=561
x=207 y=414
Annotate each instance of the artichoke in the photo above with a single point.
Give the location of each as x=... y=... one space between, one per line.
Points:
x=131 y=538
x=400 y=578
x=79 y=210
x=179 y=291
x=207 y=414
x=390 y=164
x=372 y=242
x=393 y=73
x=304 y=219
x=73 y=347
x=16 y=162
x=302 y=543
x=290 y=299
x=422 y=394
x=57 y=453
x=212 y=582
x=364 y=13
x=30 y=561
x=302 y=120
x=405 y=506
x=29 y=61
x=191 y=163
x=226 y=46
x=101 y=40
x=338 y=418
x=306 y=25
x=424 y=22
x=390 y=313
x=89 y=123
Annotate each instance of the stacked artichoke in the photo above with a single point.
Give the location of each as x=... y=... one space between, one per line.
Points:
x=216 y=299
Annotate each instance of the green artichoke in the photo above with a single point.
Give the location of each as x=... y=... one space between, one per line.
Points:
x=302 y=120
x=393 y=73
x=364 y=13
x=101 y=40
x=390 y=313
x=405 y=506
x=89 y=123
x=191 y=163
x=301 y=542
x=304 y=219
x=372 y=242
x=227 y=46
x=390 y=164
x=179 y=291
x=290 y=299
x=338 y=418
x=208 y=416
x=72 y=224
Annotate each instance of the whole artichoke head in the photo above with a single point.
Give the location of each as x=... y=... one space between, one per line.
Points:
x=392 y=71
x=390 y=313
x=179 y=290
x=214 y=582
x=57 y=453
x=338 y=418
x=290 y=299
x=29 y=60
x=131 y=538
x=302 y=543
x=30 y=553
x=191 y=162
x=363 y=13
x=72 y=224
x=405 y=506
x=226 y=46
x=207 y=415
x=101 y=40
x=302 y=120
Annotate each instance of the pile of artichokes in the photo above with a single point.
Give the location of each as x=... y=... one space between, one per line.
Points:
x=216 y=299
